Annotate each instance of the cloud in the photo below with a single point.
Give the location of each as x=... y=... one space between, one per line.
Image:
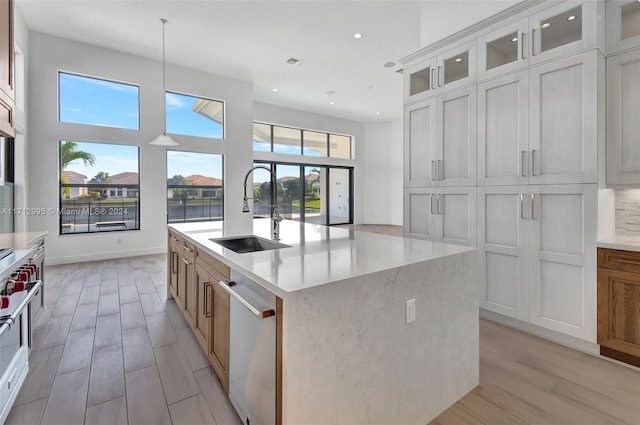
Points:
x=174 y=101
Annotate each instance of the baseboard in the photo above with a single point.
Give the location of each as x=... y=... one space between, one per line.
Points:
x=553 y=336
x=110 y=255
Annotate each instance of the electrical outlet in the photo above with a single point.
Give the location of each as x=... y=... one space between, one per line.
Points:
x=410 y=310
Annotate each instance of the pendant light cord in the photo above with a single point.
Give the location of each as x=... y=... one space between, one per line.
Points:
x=164 y=89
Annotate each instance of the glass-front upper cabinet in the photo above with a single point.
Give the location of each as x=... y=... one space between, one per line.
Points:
x=623 y=25
x=563 y=29
x=503 y=50
x=450 y=70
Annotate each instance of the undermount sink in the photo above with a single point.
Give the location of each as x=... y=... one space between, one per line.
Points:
x=244 y=244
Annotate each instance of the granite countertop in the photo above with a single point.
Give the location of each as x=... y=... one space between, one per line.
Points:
x=317 y=255
x=622 y=242
x=20 y=240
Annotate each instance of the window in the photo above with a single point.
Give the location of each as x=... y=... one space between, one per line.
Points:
x=313 y=193
x=296 y=141
x=194 y=187
x=99 y=187
x=194 y=116
x=93 y=101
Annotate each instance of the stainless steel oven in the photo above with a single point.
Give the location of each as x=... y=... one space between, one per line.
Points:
x=18 y=287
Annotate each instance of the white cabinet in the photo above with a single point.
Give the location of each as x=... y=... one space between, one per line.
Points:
x=420 y=145
x=566 y=28
x=538 y=251
x=441 y=214
x=503 y=140
x=623 y=25
x=563 y=120
x=503 y=242
x=503 y=50
x=562 y=266
x=623 y=123
x=440 y=140
x=449 y=70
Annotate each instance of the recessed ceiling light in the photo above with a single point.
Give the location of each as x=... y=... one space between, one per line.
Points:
x=275 y=89
x=458 y=59
x=331 y=103
x=514 y=39
x=377 y=113
x=293 y=61
x=392 y=64
x=357 y=35
x=545 y=25
x=571 y=18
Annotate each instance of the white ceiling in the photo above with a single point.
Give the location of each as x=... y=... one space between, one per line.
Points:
x=251 y=40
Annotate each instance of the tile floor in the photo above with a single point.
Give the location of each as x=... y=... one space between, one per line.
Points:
x=110 y=349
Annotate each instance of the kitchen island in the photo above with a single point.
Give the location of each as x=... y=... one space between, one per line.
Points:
x=346 y=351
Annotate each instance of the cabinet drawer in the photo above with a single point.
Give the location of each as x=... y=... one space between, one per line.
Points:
x=216 y=268
x=186 y=248
x=614 y=259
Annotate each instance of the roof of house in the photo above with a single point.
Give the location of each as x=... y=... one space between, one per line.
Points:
x=73 y=177
x=125 y=178
x=200 y=180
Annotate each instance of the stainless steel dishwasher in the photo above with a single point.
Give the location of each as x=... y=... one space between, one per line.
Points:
x=252 y=350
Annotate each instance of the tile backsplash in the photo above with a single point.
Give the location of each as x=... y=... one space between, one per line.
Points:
x=628 y=212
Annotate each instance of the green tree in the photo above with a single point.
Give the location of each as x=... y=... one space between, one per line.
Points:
x=68 y=153
x=101 y=178
x=178 y=180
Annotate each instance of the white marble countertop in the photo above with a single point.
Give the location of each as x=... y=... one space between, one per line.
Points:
x=622 y=242
x=318 y=254
x=20 y=240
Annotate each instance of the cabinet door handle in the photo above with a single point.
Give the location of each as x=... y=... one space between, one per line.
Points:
x=439 y=210
x=184 y=260
x=433 y=211
x=522 y=44
x=174 y=256
x=432 y=79
x=174 y=239
x=439 y=83
x=186 y=248
x=533 y=42
x=524 y=162
x=533 y=162
x=207 y=299
x=522 y=207
x=440 y=169
x=434 y=171
x=533 y=206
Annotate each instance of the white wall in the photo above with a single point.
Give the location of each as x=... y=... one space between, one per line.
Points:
x=20 y=197
x=383 y=162
x=295 y=118
x=48 y=55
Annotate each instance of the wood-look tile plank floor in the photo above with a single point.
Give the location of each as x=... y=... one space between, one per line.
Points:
x=124 y=377
x=112 y=350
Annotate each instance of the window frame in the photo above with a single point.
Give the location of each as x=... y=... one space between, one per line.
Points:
x=101 y=186
x=224 y=113
x=81 y=75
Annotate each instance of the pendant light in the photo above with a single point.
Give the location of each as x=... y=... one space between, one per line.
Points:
x=164 y=139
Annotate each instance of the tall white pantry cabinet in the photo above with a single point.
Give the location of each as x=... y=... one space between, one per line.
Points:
x=518 y=100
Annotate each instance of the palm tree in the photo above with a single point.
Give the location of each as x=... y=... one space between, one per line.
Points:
x=69 y=152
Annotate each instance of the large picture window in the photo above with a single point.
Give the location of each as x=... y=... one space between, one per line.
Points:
x=99 y=187
x=194 y=116
x=298 y=141
x=94 y=101
x=194 y=187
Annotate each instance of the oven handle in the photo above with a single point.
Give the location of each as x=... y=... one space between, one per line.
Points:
x=9 y=320
x=260 y=314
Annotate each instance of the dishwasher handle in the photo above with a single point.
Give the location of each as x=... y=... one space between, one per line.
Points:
x=260 y=314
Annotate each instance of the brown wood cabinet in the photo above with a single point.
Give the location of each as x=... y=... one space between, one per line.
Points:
x=6 y=69
x=213 y=314
x=619 y=305
x=181 y=279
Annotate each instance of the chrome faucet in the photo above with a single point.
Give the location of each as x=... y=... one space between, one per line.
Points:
x=275 y=215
